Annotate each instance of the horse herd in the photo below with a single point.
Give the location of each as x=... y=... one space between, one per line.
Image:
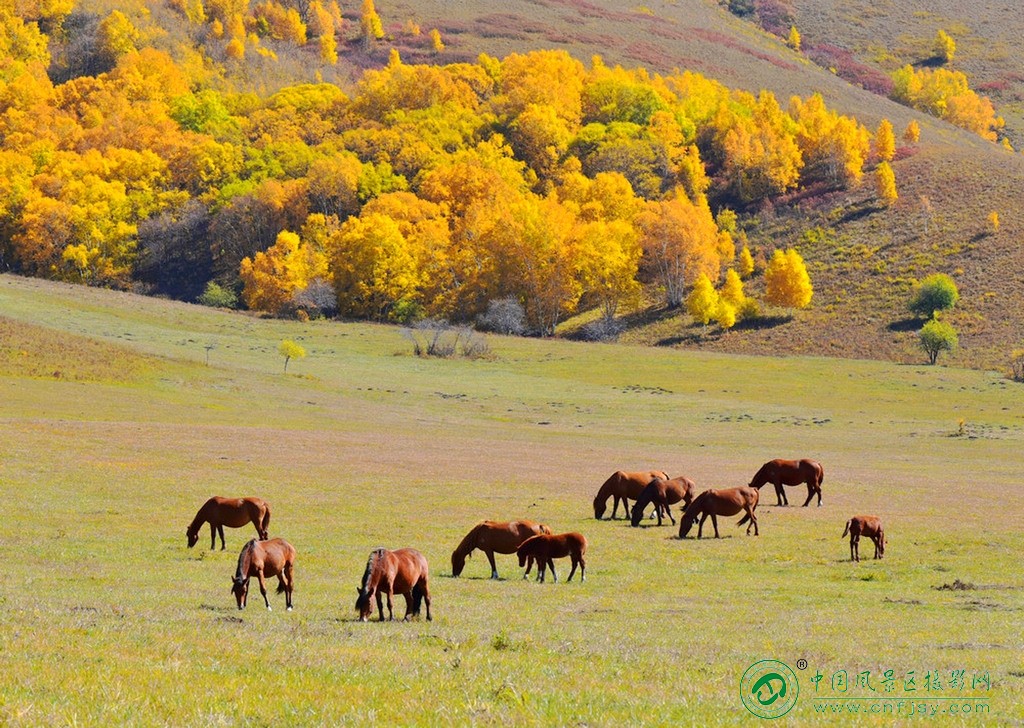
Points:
x=405 y=571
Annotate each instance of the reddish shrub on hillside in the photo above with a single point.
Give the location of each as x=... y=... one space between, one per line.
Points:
x=849 y=68
x=775 y=16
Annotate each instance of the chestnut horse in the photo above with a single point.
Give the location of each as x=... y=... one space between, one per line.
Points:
x=230 y=512
x=263 y=559
x=663 y=493
x=725 y=502
x=790 y=472
x=402 y=571
x=870 y=526
x=546 y=547
x=502 y=537
x=623 y=487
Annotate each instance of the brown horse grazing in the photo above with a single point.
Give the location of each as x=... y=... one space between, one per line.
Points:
x=263 y=559
x=790 y=472
x=870 y=526
x=502 y=537
x=623 y=487
x=663 y=493
x=546 y=547
x=230 y=512
x=402 y=571
x=725 y=502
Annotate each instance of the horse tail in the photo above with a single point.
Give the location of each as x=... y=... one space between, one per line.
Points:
x=821 y=474
x=265 y=523
x=244 y=559
x=847 y=529
x=743 y=520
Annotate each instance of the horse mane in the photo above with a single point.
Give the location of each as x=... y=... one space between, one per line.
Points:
x=761 y=476
x=244 y=559
x=605 y=491
x=371 y=561
x=693 y=510
x=200 y=518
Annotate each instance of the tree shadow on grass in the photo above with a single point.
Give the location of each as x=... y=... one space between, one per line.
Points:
x=763 y=322
x=904 y=325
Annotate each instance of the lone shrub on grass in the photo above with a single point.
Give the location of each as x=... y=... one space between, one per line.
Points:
x=935 y=337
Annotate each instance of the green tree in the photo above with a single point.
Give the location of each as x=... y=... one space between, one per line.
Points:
x=937 y=292
x=935 y=337
x=290 y=350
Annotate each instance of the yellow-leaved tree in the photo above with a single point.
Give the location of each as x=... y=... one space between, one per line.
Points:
x=703 y=301
x=885 y=141
x=680 y=243
x=885 y=180
x=786 y=281
x=271 y=278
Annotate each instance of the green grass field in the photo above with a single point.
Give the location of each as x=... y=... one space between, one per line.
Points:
x=116 y=431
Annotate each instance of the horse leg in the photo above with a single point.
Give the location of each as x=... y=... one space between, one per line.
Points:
x=220 y=530
x=554 y=576
x=213 y=536
x=700 y=526
x=542 y=566
x=426 y=599
x=288 y=586
x=575 y=563
x=810 y=492
x=780 y=494
x=854 y=547
x=408 y=606
x=263 y=588
x=494 y=569
x=529 y=565
x=668 y=512
x=714 y=522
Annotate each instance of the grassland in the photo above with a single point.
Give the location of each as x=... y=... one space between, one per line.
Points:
x=107 y=618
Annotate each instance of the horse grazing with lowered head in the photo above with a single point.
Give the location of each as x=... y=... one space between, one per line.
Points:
x=724 y=502
x=624 y=487
x=790 y=472
x=402 y=571
x=870 y=526
x=663 y=494
x=263 y=559
x=492 y=537
x=230 y=512
x=546 y=547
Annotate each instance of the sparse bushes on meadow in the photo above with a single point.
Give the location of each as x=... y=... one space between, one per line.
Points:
x=438 y=338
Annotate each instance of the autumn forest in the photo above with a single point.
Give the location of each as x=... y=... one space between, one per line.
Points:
x=417 y=190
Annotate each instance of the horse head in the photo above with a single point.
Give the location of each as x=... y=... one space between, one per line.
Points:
x=193 y=537
x=458 y=563
x=240 y=588
x=637 y=514
x=599 y=507
x=363 y=603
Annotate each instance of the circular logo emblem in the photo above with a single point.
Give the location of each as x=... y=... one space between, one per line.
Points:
x=769 y=689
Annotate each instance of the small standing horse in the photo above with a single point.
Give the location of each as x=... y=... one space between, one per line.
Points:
x=230 y=512
x=790 y=472
x=725 y=502
x=402 y=571
x=492 y=537
x=264 y=559
x=623 y=487
x=870 y=526
x=546 y=547
x=663 y=493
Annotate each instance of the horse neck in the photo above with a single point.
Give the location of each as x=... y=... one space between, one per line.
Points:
x=469 y=542
x=761 y=477
x=245 y=561
x=198 y=521
x=605 y=492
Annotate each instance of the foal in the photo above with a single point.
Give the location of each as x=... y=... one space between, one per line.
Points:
x=870 y=526
x=545 y=548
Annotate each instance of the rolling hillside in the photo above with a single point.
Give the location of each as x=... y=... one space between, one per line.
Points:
x=862 y=258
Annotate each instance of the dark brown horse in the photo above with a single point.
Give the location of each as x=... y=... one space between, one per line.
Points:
x=230 y=512
x=725 y=502
x=623 y=487
x=663 y=493
x=492 y=537
x=402 y=571
x=546 y=547
x=263 y=559
x=790 y=472
x=870 y=526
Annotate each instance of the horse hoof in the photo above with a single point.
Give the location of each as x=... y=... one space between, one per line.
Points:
x=289 y=609
x=270 y=609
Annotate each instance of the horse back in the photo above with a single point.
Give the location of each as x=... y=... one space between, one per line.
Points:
x=273 y=555
x=405 y=569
